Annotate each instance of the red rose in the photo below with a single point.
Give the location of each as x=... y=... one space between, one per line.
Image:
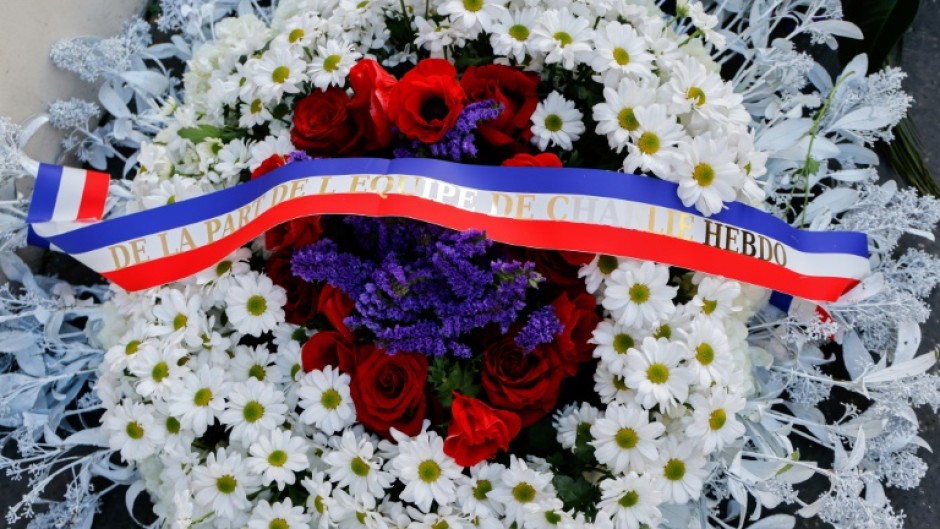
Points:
x=478 y=431
x=545 y=159
x=372 y=86
x=525 y=383
x=512 y=88
x=388 y=390
x=301 y=295
x=579 y=317
x=294 y=234
x=560 y=269
x=427 y=101
x=322 y=124
x=271 y=163
x=329 y=348
x=335 y=306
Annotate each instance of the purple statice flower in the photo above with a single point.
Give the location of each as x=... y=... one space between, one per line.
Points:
x=419 y=287
x=297 y=156
x=459 y=141
x=541 y=327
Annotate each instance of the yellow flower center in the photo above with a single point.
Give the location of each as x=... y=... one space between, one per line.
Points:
x=703 y=174
x=627 y=120
x=253 y=411
x=639 y=293
x=629 y=499
x=134 y=430
x=621 y=56
x=359 y=467
x=674 y=470
x=704 y=354
x=257 y=305
x=626 y=438
x=131 y=347
x=657 y=373
x=519 y=32
x=482 y=488
x=295 y=35
x=695 y=93
x=563 y=38
x=202 y=397
x=648 y=143
x=331 y=399
x=226 y=484
x=277 y=458
x=280 y=74
x=623 y=342
x=429 y=471
x=331 y=63
x=716 y=421
x=553 y=122
x=473 y=5
x=523 y=492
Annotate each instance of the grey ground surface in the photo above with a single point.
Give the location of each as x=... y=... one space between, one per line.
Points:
x=921 y=59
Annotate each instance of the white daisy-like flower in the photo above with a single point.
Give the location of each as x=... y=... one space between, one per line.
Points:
x=522 y=490
x=630 y=501
x=511 y=32
x=680 y=472
x=199 y=398
x=436 y=37
x=553 y=515
x=563 y=37
x=621 y=52
x=614 y=342
x=473 y=492
x=319 y=498
x=656 y=374
x=331 y=64
x=705 y=23
x=714 y=422
x=278 y=144
x=638 y=295
x=352 y=512
x=708 y=175
x=279 y=71
x=225 y=270
x=353 y=464
x=325 y=399
x=279 y=515
x=179 y=317
x=557 y=121
x=255 y=304
x=625 y=439
x=615 y=117
x=717 y=298
x=132 y=429
x=276 y=457
x=595 y=272
x=472 y=16
x=119 y=356
x=223 y=484
x=656 y=140
x=157 y=370
x=427 y=472
x=444 y=516
x=611 y=386
x=177 y=441
x=574 y=421
x=253 y=112
x=304 y=29
x=692 y=88
x=254 y=363
x=253 y=408
x=710 y=360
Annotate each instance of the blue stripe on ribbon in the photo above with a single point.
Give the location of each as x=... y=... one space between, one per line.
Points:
x=42 y=206
x=572 y=181
x=780 y=300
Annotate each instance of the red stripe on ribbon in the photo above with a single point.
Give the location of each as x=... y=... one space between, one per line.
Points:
x=94 y=196
x=523 y=232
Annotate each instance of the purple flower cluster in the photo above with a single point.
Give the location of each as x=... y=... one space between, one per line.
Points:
x=420 y=287
x=541 y=327
x=459 y=141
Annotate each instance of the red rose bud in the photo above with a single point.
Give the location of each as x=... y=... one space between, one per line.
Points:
x=557 y=269
x=525 y=383
x=427 y=101
x=323 y=126
x=271 y=163
x=294 y=234
x=478 y=431
x=545 y=159
x=329 y=348
x=388 y=391
x=515 y=90
x=372 y=87
x=579 y=317
x=335 y=306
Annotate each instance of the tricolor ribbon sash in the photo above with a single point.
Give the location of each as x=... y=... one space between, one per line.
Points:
x=584 y=210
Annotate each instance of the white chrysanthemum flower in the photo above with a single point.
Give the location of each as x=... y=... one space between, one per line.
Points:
x=472 y=16
x=253 y=112
x=279 y=71
x=614 y=342
x=304 y=29
x=225 y=270
x=655 y=146
x=574 y=421
x=278 y=144
x=277 y=457
x=621 y=52
x=714 y=422
x=353 y=464
x=615 y=117
x=680 y=472
x=255 y=304
x=319 y=498
x=610 y=385
x=473 y=492
x=706 y=23
x=553 y=516
x=436 y=37
x=177 y=441
x=708 y=175
x=625 y=439
x=595 y=272
x=119 y=356
x=630 y=501
x=557 y=121
x=563 y=37
x=199 y=398
x=157 y=370
x=253 y=408
x=522 y=490
x=638 y=295
x=179 y=317
x=351 y=512
x=656 y=374
x=132 y=429
x=712 y=101
x=254 y=363
x=710 y=360
x=223 y=484
x=716 y=297
x=332 y=63
x=427 y=472
x=280 y=515
x=443 y=516
x=325 y=399
x=512 y=31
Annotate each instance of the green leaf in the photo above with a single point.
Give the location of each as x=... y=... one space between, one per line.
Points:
x=201 y=133
x=446 y=375
x=883 y=22
x=904 y=156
